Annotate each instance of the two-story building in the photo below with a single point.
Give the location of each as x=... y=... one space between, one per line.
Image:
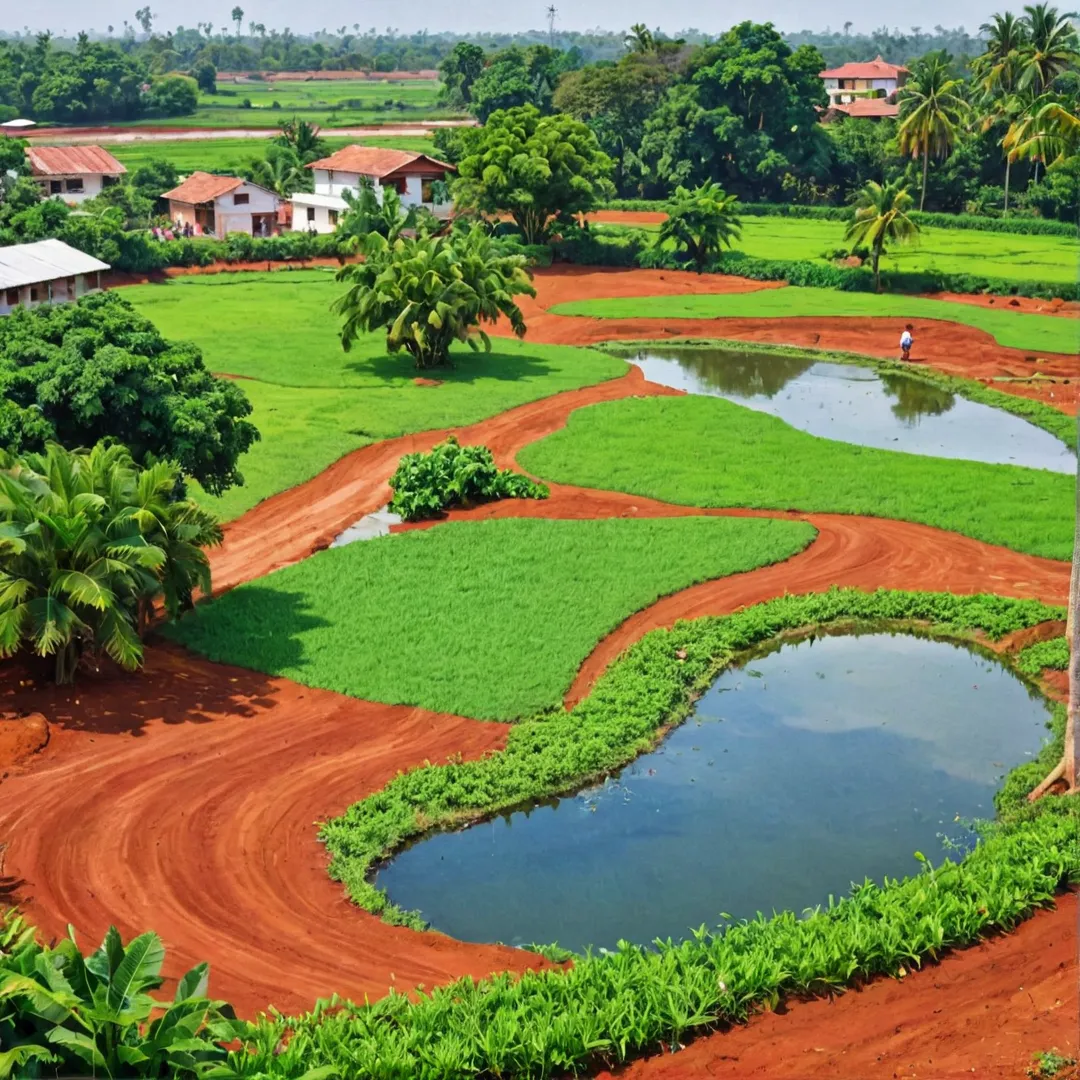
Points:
x=46 y=272
x=73 y=173
x=412 y=175
x=876 y=81
x=219 y=205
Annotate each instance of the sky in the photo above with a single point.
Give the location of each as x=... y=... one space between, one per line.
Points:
x=497 y=15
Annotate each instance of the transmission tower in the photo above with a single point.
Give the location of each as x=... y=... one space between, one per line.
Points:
x=551 y=13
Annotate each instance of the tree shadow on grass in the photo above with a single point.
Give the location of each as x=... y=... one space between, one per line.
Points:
x=467 y=368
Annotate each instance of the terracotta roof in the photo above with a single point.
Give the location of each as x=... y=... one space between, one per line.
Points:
x=872 y=69
x=866 y=107
x=375 y=161
x=68 y=160
x=201 y=187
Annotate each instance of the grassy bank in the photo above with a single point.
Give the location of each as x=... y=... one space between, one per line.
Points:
x=482 y=619
x=312 y=401
x=1016 y=330
x=702 y=451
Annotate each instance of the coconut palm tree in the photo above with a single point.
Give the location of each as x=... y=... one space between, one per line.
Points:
x=640 y=39
x=1045 y=130
x=881 y=214
x=703 y=221
x=999 y=65
x=429 y=291
x=303 y=138
x=1051 y=46
x=281 y=172
x=88 y=542
x=932 y=110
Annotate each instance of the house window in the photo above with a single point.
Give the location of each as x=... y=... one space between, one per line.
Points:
x=241 y=199
x=70 y=288
x=332 y=215
x=311 y=213
x=11 y=297
x=56 y=187
x=75 y=184
x=109 y=181
x=426 y=195
x=33 y=294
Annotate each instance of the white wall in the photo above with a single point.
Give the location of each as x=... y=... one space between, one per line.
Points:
x=91 y=186
x=84 y=284
x=228 y=217
x=320 y=224
x=334 y=182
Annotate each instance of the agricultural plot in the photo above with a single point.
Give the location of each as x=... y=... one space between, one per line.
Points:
x=708 y=452
x=480 y=619
x=952 y=251
x=1016 y=330
x=312 y=401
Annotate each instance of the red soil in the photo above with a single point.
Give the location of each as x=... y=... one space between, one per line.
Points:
x=1029 y=304
x=949 y=347
x=20 y=738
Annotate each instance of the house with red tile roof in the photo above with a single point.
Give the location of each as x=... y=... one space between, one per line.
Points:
x=412 y=175
x=874 y=79
x=73 y=173
x=218 y=205
x=869 y=108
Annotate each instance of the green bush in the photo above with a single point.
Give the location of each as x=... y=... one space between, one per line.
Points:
x=1052 y=654
x=424 y=485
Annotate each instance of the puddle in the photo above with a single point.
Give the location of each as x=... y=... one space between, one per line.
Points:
x=859 y=405
x=368 y=527
x=814 y=766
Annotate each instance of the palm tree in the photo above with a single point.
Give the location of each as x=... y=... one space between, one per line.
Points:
x=304 y=139
x=640 y=39
x=881 y=214
x=704 y=221
x=1051 y=46
x=931 y=112
x=281 y=172
x=999 y=65
x=88 y=542
x=1045 y=130
x=428 y=291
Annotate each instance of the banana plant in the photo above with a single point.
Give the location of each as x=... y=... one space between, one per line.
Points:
x=96 y=1016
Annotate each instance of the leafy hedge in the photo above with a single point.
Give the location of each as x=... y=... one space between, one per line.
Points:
x=424 y=485
x=1053 y=654
x=635 y=247
x=1020 y=226
x=140 y=253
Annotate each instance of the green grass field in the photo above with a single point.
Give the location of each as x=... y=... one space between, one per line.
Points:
x=482 y=619
x=1017 y=330
x=222 y=155
x=701 y=451
x=314 y=402
x=953 y=251
x=332 y=103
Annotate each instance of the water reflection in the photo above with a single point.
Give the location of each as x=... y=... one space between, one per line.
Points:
x=849 y=403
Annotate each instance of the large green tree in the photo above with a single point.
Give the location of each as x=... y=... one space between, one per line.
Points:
x=1050 y=48
x=79 y=373
x=88 y=543
x=458 y=71
x=881 y=217
x=538 y=169
x=430 y=291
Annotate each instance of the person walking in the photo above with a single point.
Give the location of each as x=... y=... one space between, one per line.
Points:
x=906 y=341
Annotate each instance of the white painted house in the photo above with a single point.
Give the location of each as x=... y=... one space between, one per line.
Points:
x=47 y=272
x=73 y=173
x=876 y=78
x=219 y=205
x=410 y=174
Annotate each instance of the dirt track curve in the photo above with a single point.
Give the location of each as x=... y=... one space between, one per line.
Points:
x=128 y=815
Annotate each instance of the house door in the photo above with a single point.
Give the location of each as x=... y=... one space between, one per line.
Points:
x=204 y=218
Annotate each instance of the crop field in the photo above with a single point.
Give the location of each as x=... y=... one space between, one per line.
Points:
x=480 y=619
x=1017 y=330
x=313 y=402
x=701 y=451
x=230 y=154
x=953 y=251
x=333 y=103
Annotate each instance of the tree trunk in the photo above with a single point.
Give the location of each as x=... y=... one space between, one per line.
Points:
x=1008 y=166
x=925 y=167
x=1068 y=768
x=67 y=660
x=876 y=259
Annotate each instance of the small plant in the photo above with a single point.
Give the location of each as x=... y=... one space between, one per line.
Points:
x=1048 y=1065
x=425 y=485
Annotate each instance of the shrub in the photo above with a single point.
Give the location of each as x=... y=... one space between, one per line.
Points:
x=1053 y=654
x=425 y=485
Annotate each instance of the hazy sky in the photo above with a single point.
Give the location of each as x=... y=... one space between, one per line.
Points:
x=671 y=15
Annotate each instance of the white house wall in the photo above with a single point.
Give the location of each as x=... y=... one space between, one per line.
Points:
x=92 y=186
x=59 y=293
x=320 y=223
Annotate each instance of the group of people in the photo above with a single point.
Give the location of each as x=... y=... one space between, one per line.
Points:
x=184 y=230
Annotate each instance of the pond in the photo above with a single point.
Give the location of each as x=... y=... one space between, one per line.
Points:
x=801 y=771
x=849 y=403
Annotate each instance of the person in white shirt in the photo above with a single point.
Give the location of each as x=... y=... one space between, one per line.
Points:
x=906 y=341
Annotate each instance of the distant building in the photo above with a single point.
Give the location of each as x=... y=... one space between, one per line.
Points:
x=47 y=272
x=411 y=174
x=868 y=108
x=10 y=127
x=854 y=82
x=73 y=173
x=219 y=205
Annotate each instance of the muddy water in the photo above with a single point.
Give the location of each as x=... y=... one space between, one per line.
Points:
x=859 y=405
x=801 y=771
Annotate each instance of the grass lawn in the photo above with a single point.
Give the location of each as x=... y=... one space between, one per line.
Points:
x=314 y=402
x=482 y=619
x=1046 y=333
x=223 y=155
x=701 y=451
x=953 y=251
x=330 y=102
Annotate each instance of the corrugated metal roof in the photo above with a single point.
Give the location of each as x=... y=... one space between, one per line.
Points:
x=376 y=161
x=72 y=160
x=47 y=260
x=201 y=187
x=878 y=68
x=21 y=123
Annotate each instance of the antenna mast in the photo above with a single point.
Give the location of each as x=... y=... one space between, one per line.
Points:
x=551 y=13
